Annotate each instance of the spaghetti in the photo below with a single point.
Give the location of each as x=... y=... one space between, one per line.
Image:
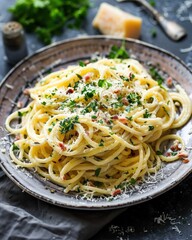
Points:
x=97 y=127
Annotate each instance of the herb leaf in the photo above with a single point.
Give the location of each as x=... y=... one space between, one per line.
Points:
x=15 y=147
x=101 y=143
x=151 y=128
x=153 y=33
x=174 y=153
x=97 y=172
x=92 y=106
x=104 y=83
x=132 y=181
x=155 y=75
x=118 y=52
x=152 y=3
x=82 y=64
x=68 y=124
x=146 y=114
x=89 y=94
x=79 y=76
x=21 y=114
x=159 y=152
x=124 y=78
x=57 y=13
x=134 y=98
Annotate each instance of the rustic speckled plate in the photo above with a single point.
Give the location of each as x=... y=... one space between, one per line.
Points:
x=65 y=53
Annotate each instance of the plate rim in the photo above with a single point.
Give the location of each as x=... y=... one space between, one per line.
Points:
x=140 y=42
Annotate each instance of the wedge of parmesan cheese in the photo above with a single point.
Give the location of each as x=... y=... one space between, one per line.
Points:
x=113 y=21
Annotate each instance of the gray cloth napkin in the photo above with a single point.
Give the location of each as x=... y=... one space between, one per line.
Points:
x=25 y=217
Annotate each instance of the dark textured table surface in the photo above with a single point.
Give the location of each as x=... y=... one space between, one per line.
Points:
x=168 y=216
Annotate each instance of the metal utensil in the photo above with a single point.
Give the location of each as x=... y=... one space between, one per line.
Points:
x=171 y=28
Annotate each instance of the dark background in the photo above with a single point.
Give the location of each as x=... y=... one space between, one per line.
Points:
x=174 y=207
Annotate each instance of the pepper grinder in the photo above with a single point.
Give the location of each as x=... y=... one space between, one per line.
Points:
x=14 y=42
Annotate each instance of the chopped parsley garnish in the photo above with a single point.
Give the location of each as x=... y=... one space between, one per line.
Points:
x=119 y=97
x=155 y=75
x=124 y=78
x=104 y=83
x=101 y=143
x=159 y=152
x=68 y=124
x=132 y=181
x=21 y=114
x=174 y=153
x=89 y=94
x=97 y=172
x=92 y=106
x=116 y=104
x=82 y=64
x=127 y=79
x=150 y=100
x=134 y=98
x=47 y=96
x=147 y=114
x=152 y=3
x=85 y=89
x=100 y=121
x=94 y=84
x=151 y=128
x=68 y=103
x=76 y=85
x=71 y=104
x=153 y=32
x=131 y=76
x=44 y=103
x=129 y=118
x=79 y=76
x=15 y=147
x=118 y=52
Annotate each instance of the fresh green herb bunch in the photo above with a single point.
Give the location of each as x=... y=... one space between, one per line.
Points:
x=119 y=52
x=48 y=17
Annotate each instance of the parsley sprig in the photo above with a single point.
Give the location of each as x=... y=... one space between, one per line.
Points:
x=118 y=52
x=68 y=124
x=47 y=17
x=134 y=98
x=156 y=75
x=15 y=147
x=104 y=83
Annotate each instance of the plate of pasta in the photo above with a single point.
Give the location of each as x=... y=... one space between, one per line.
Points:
x=97 y=123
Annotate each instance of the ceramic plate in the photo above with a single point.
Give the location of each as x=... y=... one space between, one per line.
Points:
x=66 y=53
